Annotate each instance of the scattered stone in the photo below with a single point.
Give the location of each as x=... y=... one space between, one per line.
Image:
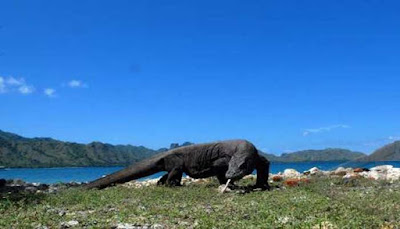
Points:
x=340 y=171
x=375 y=175
x=284 y=219
x=277 y=178
x=201 y=181
x=41 y=227
x=393 y=174
x=314 y=171
x=358 y=170
x=290 y=173
x=388 y=225
x=136 y=226
x=249 y=177
x=382 y=168
x=208 y=209
x=62 y=213
x=324 y=225
x=351 y=176
x=31 y=189
x=42 y=187
x=17 y=182
x=126 y=226
x=293 y=182
x=222 y=187
x=69 y=224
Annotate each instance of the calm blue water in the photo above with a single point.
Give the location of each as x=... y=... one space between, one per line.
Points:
x=81 y=174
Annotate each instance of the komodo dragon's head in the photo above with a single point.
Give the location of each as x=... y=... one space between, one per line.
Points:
x=240 y=165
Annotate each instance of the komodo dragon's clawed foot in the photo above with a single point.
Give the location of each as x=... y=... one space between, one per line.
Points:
x=170 y=183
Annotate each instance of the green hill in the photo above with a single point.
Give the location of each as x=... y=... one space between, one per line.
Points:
x=17 y=151
x=330 y=154
x=390 y=152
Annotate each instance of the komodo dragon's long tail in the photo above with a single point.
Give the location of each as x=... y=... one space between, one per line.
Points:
x=136 y=171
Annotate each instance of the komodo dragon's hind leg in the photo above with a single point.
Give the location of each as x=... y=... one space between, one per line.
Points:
x=174 y=177
x=162 y=180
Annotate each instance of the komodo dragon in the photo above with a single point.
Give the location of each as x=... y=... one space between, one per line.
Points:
x=227 y=160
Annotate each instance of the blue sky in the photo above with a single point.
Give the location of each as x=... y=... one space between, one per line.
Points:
x=286 y=75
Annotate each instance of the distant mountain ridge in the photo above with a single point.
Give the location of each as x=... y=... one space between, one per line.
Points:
x=18 y=151
x=329 y=154
x=389 y=152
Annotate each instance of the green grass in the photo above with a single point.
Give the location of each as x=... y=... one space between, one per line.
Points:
x=330 y=202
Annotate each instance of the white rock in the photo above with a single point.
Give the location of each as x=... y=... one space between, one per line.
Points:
x=291 y=173
x=221 y=187
x=393 y=174
x=351 y=175
x=251 y=176
x=340 y=171
x=69 y=224
x=326 y=173
x=126 y=226
x=349 y=170
x=284 y=219
x=347 y=176
x=314 y=171
x=364 y=174
x=382 y=168
x=324 y=225
x=157 y=226
x=376 y=175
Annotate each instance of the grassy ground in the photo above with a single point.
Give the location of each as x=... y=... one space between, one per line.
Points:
x=322 y=203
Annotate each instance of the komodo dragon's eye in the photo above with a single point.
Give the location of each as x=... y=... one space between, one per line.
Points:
x=246 y=165
x=243 y=165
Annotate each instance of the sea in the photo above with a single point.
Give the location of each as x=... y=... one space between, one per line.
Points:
x=85 y=174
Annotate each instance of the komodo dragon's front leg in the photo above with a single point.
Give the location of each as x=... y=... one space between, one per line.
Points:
x=262 y=167
x=220 y=167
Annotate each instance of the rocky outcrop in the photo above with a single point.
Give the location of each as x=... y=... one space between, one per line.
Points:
x=17 y=185
x=390 y=152
x=290 y=173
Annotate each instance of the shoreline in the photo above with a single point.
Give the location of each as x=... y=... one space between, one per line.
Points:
x=290 y=177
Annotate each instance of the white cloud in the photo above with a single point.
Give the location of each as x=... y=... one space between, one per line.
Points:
x=50 y=92
x=26 y=89
x=76 y=84
x=2 y=85
x=11 y=84
x=324 y=129
x=15 y=82
x=393 y=138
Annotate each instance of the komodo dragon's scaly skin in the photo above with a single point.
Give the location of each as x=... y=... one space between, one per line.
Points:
x=225 y=160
